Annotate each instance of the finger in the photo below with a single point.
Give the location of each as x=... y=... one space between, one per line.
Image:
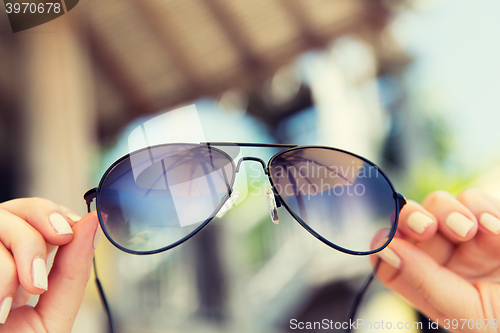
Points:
x=73 y=218
x=8 y=282
x=434 y=289
x=494 y=200
x=28 y=249
x=455 y=221
x=391 y=278
x=45 y=216
x=438 y=248
x=483 y=209
x=416 y=222
x=68 y=277
x=481 y=254
x=70 y=214
x=420 y=226
x=21 y=298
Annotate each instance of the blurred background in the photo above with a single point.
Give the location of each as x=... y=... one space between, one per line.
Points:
x=413 y=85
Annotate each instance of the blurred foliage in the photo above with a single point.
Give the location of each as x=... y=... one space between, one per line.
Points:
x=261 y=238
x=438 y=136
x=260 y=244
x=427 y=176
x=434 y=169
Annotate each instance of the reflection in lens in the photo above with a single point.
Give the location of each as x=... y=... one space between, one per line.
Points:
x=157 y=196
x=341 y=197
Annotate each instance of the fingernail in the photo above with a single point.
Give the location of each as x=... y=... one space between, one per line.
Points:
x=5 y=309
x=390 y=257
x=97 y=236
x=73 y=216
x=490 y=222
x=39 y=273
x=418 y=222
x=459 y=224
x=60 y=225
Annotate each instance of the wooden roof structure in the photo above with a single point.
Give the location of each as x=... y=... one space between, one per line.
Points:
x=159 y=53
x=156 y=54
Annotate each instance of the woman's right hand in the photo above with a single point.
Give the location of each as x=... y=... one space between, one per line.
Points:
x=29 y=230
x=446 y=260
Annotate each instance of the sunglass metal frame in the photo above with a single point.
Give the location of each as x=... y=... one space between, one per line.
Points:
x=400 y=200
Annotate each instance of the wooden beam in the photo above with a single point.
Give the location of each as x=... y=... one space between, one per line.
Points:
x=57 y=110
x=255 y=68
x=297 y=13
x=160 y=27
x=11 y=83
x=109 y=63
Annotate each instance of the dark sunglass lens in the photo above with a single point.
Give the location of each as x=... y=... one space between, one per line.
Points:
x=156 y=197
x=341 y=197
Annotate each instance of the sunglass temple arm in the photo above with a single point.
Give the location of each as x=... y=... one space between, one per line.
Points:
x=89 y=196
x=401 y=200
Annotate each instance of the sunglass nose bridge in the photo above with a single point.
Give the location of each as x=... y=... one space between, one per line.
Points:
x=256 y=159
x=273 y=208
x=228 y=204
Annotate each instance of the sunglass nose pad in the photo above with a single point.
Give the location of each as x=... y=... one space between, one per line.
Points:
x=273 y=209
x=228 y=204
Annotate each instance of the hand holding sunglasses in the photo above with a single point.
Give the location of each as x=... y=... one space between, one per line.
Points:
x=31 y=229
x=446 y=260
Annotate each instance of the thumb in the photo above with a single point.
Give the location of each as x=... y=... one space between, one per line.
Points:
x=432 y=288
x=68 y=277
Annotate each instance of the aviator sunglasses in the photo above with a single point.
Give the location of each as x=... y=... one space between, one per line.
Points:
x=156 y=198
